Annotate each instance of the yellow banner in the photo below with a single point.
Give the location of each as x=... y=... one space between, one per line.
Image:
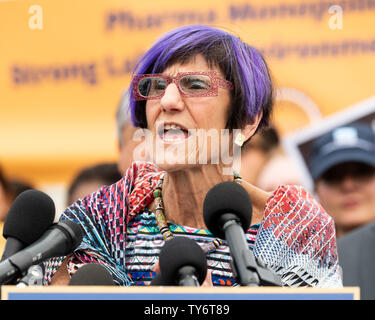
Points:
x=64 y=65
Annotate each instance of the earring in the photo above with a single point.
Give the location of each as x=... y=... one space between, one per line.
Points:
x=240 y=139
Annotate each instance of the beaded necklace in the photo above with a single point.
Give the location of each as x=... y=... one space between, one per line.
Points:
x=162 y=222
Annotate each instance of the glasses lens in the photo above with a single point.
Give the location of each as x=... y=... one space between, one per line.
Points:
x=195 y=84
x=151 y=87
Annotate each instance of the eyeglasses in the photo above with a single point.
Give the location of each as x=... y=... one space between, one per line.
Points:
x=189 y=84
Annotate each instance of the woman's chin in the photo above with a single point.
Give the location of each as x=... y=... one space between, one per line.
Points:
x=172 y=167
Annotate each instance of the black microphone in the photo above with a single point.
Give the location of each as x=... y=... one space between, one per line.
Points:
x=92 y=274
x=60 y=240
x=29 y=216
x=227 y=211
x=182 y=263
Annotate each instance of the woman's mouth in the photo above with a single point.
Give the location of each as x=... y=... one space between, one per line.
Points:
x=172 y=133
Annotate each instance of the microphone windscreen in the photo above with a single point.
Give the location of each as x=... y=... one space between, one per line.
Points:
x=92 y=274
x=180 y=252
x=223 y=198
x=29 y=216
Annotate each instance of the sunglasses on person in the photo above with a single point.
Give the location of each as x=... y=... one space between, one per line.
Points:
x=189 y=84
x=356 y=170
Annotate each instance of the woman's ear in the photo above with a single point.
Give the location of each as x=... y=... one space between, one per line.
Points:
x=248 y=131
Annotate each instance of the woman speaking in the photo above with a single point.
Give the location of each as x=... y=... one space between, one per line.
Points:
x=199 y=93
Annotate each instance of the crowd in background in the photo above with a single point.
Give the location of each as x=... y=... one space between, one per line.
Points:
x=342 y=166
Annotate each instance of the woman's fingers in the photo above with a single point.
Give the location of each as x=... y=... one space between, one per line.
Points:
x=208 y=281
x=156 y=267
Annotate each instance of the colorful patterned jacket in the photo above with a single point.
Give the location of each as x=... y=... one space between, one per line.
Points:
x=296 y=238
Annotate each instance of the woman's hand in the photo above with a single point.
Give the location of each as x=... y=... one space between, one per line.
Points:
x=206 y=283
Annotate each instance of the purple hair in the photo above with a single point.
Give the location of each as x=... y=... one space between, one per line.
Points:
x=242 y=64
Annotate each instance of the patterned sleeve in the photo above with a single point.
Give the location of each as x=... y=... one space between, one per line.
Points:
x=103 y=215
x=297 y=240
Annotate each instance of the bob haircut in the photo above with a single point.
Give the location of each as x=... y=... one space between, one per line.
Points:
x=240 y=63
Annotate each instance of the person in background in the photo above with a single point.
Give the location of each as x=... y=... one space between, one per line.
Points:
x=265 y=164
x=357 y=259
x=278 y=170
x=90 y=179
x=126 y=141
x=18 y=186
x=257 y=152
x=342 y=165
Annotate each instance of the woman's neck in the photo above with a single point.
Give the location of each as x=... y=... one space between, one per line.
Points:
x=184 y=192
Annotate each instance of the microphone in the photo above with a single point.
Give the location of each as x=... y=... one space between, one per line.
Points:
x=29 y=216
x=60 y=240
x=227 y=211
x=182 y=263
x=92 y=274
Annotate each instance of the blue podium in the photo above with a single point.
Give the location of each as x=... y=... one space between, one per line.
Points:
x=176 y=293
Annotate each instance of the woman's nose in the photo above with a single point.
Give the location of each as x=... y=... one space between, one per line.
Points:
x=172 y=100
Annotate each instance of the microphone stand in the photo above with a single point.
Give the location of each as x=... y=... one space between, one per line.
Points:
x=187 y=277
x=247 y=270
x=257 y=274
x=33 y=277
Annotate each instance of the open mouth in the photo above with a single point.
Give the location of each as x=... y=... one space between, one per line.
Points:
x=172 y=133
